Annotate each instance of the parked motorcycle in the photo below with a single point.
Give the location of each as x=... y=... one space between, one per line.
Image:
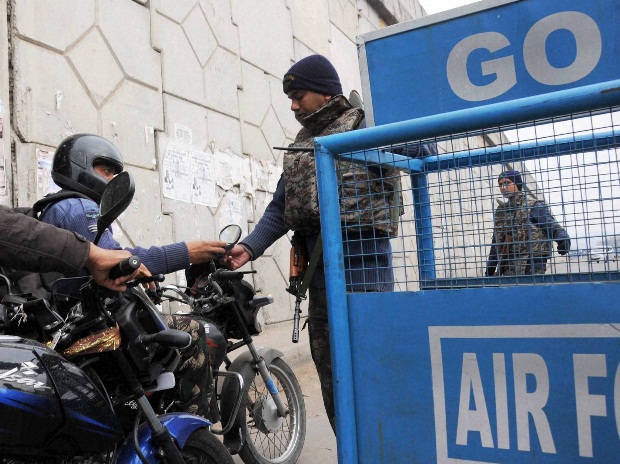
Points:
x=257 y=397
x=79 y=393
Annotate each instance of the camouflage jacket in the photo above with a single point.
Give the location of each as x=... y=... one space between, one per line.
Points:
x=367 y=195
x=515 y=233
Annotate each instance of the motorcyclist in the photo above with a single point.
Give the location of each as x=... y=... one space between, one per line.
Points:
x=30 y=245
x=85 y=163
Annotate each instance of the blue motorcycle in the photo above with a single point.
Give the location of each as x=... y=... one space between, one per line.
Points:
x=73 y=388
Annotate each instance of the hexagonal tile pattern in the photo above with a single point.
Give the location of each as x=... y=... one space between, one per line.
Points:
x=261 y=35
x=344 y=15
x=219 y=15
x=311 y=24
x=282 y=108
x=176 y=10
x=272 y=130
x=35 y=20
x=132 y=70
x=199 y=35
x=129 y=119
x=187 y=114
x=224 y=132
x=48 y=110
x=126 y=26
x=177 y=54
x=100 y=76
x=255 y=144
x=255 y=98
x=222 y=75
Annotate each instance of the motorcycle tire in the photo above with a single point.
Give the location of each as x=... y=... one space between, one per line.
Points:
x=202 y=447
x=272 y=439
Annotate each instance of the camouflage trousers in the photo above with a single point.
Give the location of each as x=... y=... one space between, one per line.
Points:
x=193 y=373
x=318 y=330
x=522 y=266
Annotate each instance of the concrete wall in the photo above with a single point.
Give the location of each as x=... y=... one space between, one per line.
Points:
x=192 y=86
x=5 y=123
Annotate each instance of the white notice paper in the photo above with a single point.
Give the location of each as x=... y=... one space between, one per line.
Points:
x=175 y=169
x=203 y=178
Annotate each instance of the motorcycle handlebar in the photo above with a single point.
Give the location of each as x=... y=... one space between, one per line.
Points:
x=124 y=268
x=229 y=275
x=171 y=338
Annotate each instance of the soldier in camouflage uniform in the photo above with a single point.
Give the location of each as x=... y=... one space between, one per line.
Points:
x=523 y=232
x=369 y=207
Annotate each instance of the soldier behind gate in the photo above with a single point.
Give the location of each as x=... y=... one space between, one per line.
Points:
x=523 y=232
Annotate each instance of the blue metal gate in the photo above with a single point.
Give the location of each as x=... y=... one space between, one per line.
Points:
x=457 y=365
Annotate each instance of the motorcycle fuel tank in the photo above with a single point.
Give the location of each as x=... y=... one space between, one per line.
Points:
x=49 y=404
x=216 y=343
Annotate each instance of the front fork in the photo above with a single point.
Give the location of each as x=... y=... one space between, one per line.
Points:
x=266 y=376
x=260 y=364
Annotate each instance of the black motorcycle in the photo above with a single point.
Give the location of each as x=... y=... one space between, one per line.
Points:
x=76 y=389
x=257 y=397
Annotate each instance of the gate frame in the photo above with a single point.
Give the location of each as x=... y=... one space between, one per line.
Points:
x=576 y=100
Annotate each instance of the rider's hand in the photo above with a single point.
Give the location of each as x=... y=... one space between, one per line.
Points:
x=201 y=251
x=100 y=261
x=237 y=257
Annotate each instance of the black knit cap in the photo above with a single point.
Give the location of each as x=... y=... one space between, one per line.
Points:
x=514 y=176
x=314 y=73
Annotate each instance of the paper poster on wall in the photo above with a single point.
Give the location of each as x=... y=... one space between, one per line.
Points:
x=260 y=174
x=224 y=170
x=175 y=169
x=265 y=175
x=183 y=134
x=230 y=211
x=246 y=184
x=203 y=178
x=45 y=184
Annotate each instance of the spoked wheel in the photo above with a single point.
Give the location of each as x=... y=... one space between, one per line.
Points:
x=202 y=447
x=271 y=438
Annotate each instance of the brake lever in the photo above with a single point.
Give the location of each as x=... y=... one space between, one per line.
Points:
x=146 y=280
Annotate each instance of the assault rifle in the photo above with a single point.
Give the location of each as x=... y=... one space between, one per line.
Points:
x=298 y=266
x=301 y=271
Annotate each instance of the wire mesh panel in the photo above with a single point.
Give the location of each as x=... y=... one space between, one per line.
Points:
x=426 y=220
x=500 y=247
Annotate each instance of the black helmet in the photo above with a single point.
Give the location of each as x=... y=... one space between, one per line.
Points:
x=73 y=163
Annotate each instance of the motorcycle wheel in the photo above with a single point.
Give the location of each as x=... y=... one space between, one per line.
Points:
x=202 y=447
x=272 y=439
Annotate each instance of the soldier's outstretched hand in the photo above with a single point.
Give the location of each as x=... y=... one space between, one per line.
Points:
x=237 y=258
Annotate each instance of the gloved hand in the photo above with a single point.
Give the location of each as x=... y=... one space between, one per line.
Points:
x=563 y=246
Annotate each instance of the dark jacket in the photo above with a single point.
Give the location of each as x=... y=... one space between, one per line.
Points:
x=531 y=229
x=28 y=244
x=368 y=255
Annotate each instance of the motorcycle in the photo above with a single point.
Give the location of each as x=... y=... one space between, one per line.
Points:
x=256 y=395
x=77 y=391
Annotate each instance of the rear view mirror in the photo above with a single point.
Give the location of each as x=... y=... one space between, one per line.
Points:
x=231 y=235
x=115 y=199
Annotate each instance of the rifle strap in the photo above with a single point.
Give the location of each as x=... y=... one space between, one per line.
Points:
x=314 y=259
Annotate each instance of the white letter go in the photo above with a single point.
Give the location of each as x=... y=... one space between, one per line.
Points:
x=589 y=48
